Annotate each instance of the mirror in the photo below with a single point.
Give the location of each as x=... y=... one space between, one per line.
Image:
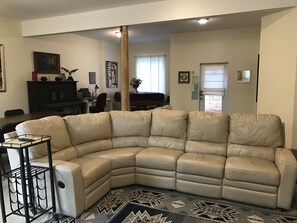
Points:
x=244 y=76
x=2 y=70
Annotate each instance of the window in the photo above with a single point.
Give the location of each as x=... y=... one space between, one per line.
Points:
x=151 y=70
x=213 y=85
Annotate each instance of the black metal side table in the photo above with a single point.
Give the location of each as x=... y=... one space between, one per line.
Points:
x=27 y=185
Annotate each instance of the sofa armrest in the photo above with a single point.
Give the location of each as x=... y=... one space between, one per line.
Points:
x=69 y=190
x=287 y=166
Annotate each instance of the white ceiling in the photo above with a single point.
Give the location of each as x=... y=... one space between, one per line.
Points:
x=33 y=9
x=163 y=30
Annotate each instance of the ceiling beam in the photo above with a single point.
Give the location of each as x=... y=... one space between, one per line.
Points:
x=159 y=11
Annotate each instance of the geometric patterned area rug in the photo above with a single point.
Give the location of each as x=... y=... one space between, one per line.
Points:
x=138 y=204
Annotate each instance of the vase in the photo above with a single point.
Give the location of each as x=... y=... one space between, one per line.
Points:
x=135 y=90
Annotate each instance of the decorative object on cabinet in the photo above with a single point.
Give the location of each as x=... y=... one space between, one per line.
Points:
x=34 y=76
x=58 y=78
x=69 y=78
x=184 y=77
x=46 y=63
x=43 y=78
x=2 y=70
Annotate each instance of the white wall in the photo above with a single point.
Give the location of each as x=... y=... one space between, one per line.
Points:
x=148 y=49
x=110 y=52
x=278 y=70
x=238 y=47
x=75 y=52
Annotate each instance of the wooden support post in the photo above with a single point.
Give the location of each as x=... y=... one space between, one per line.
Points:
x=125 y=98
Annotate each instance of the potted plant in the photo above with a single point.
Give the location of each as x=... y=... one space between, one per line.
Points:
x=134 y=83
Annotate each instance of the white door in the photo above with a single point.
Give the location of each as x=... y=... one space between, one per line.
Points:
x=213 y=87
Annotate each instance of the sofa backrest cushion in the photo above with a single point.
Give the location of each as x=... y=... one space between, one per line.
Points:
x=207 y=132
x=89 y=132
x=254 y=135
x=53 y=126
x=130 y=128
x=256 y=130
x=169 y=128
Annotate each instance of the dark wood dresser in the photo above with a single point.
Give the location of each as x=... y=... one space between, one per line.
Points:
x=54 y=96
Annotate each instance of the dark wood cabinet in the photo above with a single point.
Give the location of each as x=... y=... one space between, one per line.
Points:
x=53 y=95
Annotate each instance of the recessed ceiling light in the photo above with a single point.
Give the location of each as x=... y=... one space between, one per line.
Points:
x=118 y=34
x=202 y=21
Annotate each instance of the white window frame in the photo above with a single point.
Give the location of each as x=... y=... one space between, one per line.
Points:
x=152 y=71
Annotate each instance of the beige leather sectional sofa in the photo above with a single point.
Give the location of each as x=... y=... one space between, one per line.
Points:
x=237 y=157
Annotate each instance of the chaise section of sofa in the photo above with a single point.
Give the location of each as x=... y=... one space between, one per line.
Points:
x=80 y=182
x=200 y=170
x=257 y=170
x=156 y=165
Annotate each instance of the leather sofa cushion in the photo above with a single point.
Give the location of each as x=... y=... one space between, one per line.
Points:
x=201 y=164
x=158 y=158
x=93 y=146
x=120 y=158
x=256 y=130
x=88 y=127
x=253 y=170
x=169 y=123
x=266 y=153
x=251 y=186
x=206 y=147
x=93 y=168
x=208 y=127
x=66 y=154
x=130 y=141
x=169 y=128
x=53 y=126
x=126 y=123
x=167 y=142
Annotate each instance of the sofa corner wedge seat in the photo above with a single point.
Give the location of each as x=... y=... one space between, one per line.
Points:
x=237 y=157
x=130 y=132
x=156 y=165
x=84 y=180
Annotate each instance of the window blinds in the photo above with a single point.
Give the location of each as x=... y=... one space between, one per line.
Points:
x=212 y=79
x=151 y=70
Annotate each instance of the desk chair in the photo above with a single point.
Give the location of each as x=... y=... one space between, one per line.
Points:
x=13 y=112
x=100 y=104
x=7 y=128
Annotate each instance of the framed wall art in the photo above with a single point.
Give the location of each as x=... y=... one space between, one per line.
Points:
x=184 y=77
x=46 y=63
x=111 y=71
x=2 y=70
x=244 y=76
